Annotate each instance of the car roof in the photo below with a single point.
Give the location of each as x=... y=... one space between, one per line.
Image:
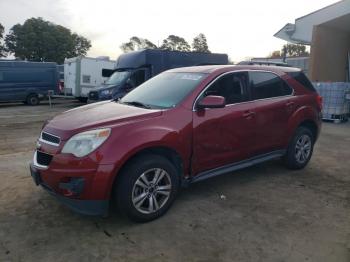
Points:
x=226 y=68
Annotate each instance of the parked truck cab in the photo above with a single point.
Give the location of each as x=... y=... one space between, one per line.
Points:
x=134 y=68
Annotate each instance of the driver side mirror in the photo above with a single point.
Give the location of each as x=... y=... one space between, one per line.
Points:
x=212 y=102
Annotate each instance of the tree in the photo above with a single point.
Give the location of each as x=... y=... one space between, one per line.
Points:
x=2 y=48
x=137 y=43
x=40 y=40
x=200 y=44
x=294 y=50
x=175 y=43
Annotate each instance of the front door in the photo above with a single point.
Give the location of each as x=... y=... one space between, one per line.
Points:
x=224 y=135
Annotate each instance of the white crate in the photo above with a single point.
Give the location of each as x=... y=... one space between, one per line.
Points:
x=336 y=99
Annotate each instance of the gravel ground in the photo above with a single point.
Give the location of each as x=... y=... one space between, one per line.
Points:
x=263 y=213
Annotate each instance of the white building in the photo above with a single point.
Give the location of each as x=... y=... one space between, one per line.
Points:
x=327 y=31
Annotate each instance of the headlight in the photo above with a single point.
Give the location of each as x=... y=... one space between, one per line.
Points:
x=107 y=92
x=84 y=143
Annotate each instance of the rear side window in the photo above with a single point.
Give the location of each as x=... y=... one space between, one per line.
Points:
x=267 y=85
x=302 y=79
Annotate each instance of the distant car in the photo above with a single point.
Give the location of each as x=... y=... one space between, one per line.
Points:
x=182 y=126
x=27 y=82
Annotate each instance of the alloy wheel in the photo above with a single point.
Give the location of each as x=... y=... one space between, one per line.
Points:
x=151 y=190
x=303 y=148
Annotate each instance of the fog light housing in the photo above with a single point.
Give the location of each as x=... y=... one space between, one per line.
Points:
x=72 y=186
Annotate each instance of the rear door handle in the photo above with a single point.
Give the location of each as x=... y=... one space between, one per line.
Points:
x=248 y=114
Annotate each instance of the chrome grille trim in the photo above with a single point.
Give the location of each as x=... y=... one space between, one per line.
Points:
x=41 y=139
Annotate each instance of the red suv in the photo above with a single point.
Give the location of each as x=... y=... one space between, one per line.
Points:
x=180 y=127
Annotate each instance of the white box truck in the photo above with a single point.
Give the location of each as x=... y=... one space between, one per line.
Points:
x=81 y=74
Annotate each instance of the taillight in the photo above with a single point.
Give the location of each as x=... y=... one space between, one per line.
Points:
x=319 y=100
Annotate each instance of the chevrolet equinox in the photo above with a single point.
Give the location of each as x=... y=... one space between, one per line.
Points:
x=180 y=127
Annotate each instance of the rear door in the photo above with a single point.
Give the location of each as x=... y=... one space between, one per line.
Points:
x=223 y=136
x=274 y=104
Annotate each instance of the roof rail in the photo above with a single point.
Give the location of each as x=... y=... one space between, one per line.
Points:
x=266 y=63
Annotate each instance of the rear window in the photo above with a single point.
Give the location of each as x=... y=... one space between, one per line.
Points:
x=302 y=79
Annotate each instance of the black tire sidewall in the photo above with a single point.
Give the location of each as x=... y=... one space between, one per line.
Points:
x=290 y=159
x=128 y=177
x=29 y=100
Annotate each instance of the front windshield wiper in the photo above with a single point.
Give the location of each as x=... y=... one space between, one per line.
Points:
x=135 y=103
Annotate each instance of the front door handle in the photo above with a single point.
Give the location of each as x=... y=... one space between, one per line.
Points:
x=248 y=114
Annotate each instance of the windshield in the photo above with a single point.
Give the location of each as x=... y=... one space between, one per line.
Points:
x=117 y=77
x=165 y=90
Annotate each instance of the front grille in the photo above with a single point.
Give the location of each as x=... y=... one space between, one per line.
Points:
x=93 y=95
x=50 y=138
x=43 y=158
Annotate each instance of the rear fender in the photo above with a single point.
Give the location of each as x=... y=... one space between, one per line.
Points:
x=302 y=114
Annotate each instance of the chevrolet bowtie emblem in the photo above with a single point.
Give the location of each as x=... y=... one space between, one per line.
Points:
x=38 y=145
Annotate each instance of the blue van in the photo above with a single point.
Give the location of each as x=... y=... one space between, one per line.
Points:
x=27 y=82
x=134 y=68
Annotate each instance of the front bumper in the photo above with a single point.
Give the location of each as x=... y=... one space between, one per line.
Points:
x=85 y=207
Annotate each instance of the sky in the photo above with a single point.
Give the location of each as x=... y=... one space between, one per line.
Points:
x=242 y=29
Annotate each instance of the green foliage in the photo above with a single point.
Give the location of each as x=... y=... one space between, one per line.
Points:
x=40 y=40
x=2 y=48
x=172 y=43
x=137 y=43
x=294 y=50
x=200 y=44
x=175 y=43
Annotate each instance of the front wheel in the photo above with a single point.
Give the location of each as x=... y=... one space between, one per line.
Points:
x=300 y=149
x=146 y=188
x=32 y=100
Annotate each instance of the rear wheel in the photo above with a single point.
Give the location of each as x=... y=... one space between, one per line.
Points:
x=300 y=149
x=146 y=188
x=33 y=100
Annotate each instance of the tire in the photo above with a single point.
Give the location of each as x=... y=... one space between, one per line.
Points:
x=300 y=149
x=33 y=100
x=83 y=99
x=136 y=192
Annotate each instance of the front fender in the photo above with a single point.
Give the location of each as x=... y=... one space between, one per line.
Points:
x=152 y=133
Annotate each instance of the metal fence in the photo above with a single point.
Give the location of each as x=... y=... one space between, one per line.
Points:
x=336 y=100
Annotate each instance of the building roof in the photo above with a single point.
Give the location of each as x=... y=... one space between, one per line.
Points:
x=336 y=15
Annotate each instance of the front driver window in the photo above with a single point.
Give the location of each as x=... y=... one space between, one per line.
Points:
x=230 y=86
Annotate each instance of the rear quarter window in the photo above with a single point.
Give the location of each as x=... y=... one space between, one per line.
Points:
x=301 y=78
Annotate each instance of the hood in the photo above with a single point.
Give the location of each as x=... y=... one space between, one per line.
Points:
x=96 y=115
x=104 y=86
